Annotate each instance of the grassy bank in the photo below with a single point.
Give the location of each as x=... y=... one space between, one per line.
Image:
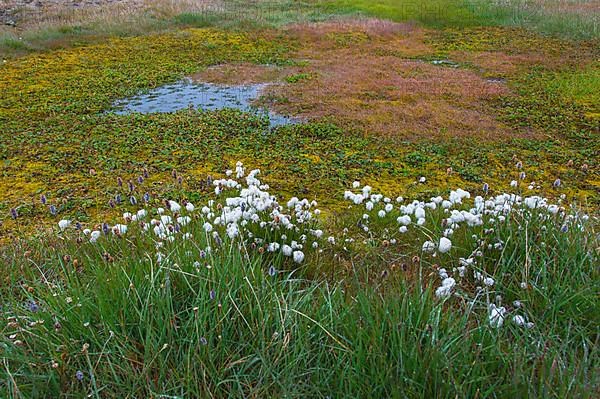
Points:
x=241 y=296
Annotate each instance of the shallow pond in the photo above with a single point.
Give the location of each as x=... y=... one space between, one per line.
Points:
x=203 y=96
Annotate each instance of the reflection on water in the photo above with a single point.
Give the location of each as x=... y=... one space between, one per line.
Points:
x=203 y=96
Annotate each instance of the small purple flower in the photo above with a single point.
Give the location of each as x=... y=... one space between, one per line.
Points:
x=146 y=174
x=78 y=226
x=43 y=199
x=177 y=227
x=522 y=175
x=53 y=210
x=212 y=295
x=140 y=179
x=119 y=182
x=105 y=228
x=202 y=254
x=132 y=200
x=174 y=174
x=209 y=180
x=118 y=199
x=180 y=180
x=556 y=183
x=218 y=240
x=564 y=228
x=272 y=271
x=486 y=187
x=13 y=213
x=111 y=203
x=203 y=341
x=146 y=197
x=79 y=375
x=130 y=186
x=33 y=307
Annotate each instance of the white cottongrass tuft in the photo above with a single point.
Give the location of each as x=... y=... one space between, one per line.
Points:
x=64 y=224
x=445 y=245
x=446 y=289
x=496 y=315
x=428 y=246
x=298 y=256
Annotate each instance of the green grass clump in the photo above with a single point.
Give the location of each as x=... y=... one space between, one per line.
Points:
x=437 y=13
x=12 y=42
x=297 y=77
x=546 y=17
x=136 y=314
x=580 y=87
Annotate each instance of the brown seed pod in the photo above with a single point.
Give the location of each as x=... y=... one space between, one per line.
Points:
x=584 y=167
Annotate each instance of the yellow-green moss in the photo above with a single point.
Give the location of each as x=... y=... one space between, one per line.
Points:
x=57 y=140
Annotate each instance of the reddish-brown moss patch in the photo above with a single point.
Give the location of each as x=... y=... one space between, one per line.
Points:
x=365 y=76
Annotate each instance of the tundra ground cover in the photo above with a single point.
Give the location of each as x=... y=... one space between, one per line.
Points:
x=115 y=285
x=242 y=295
x=78 y=149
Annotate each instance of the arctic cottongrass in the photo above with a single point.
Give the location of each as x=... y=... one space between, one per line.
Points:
x=446 y=288
x=64 y=224
x=496 y=315
x=245 y=215
x=445 y=245
x=298 y=256
x=286 y=250
x=428 y=246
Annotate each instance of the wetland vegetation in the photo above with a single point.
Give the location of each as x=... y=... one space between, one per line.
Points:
x=140 y=258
